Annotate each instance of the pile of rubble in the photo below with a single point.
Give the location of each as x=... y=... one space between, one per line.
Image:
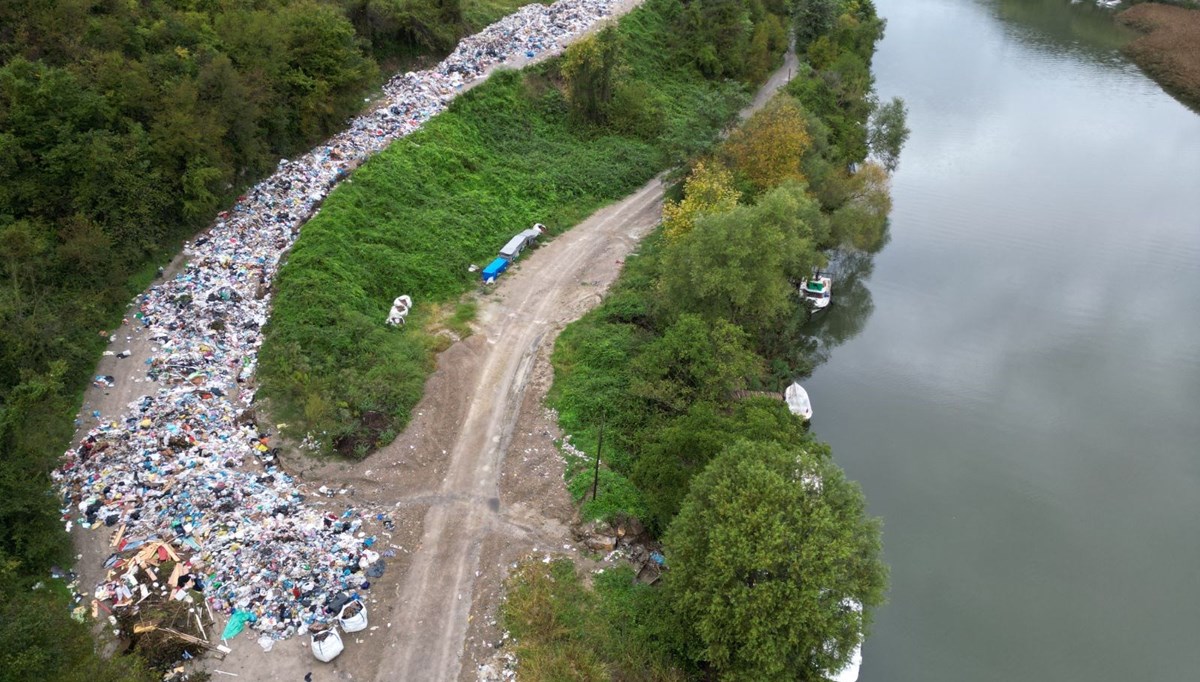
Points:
x=187 y=472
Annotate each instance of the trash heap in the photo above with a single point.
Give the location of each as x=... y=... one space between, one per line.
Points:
x=187 y=472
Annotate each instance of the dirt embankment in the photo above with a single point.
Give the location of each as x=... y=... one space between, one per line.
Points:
x=1169 y=47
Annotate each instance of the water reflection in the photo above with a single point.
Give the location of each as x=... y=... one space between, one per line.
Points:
x=1081 y=27
x=1022 y=421
x=852 y=304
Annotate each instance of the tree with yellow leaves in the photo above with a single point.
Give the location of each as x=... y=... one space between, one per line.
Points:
x=861 y=222
x=767 y=150
x=708 y=189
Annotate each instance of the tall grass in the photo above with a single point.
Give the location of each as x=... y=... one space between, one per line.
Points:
x=415 y=217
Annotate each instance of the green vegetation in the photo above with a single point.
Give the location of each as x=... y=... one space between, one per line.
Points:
x=505 y=155
x=767 y=544
x=565 y=631
x=124 y=127
x=766 y=550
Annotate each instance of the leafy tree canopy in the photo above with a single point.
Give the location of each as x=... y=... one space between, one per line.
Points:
x=737 y=265
x=888 y=132
x=708 y=189
x=591 y=68
x=768 y=148
x=769 y=549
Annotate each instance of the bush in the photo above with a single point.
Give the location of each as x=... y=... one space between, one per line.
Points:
x=566 y=631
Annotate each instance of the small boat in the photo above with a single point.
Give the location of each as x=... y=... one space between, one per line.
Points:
x=818 y=291
x=797 y=401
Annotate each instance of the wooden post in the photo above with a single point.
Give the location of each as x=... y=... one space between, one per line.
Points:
x=599 y=447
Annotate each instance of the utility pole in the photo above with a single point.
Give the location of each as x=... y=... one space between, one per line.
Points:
x=596 y=470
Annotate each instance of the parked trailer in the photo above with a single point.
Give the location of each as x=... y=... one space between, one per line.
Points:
x=493 y=270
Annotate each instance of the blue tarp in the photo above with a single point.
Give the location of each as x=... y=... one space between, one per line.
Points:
x=494 y=269
x=237 y=623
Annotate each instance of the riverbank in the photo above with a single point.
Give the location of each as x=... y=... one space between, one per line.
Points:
x=1169 y=47
x=706 y=309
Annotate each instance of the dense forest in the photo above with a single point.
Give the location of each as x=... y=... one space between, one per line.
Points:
x=124 y=128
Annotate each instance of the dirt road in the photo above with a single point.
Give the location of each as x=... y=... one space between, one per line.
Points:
x=553 y=286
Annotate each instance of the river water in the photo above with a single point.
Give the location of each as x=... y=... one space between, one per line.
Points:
x=1017 y=385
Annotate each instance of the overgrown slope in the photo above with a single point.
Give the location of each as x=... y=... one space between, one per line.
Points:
x=505 y=155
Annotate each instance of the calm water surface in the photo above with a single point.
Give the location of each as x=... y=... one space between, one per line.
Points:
x=1019 y=385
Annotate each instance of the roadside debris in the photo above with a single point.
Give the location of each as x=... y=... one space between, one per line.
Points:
x=399 y=311
x=202 y=515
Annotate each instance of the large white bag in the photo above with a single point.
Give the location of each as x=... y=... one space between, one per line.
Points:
x=353 y=616
x=326 y=645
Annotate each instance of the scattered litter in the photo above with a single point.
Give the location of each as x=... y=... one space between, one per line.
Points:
x=186 y=478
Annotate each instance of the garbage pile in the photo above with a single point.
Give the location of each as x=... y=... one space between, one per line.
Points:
x=187 y=472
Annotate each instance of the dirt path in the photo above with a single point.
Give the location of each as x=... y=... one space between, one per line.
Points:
x=554 y=286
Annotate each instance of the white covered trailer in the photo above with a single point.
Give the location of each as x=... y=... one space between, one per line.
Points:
x=517 y=244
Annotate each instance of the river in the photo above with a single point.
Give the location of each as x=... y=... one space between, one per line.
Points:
x=1018 y=380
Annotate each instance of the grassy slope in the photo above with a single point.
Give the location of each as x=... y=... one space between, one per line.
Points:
x=413 y=218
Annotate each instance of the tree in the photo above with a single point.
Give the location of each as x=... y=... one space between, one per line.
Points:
x=694 y=361
x=708 y=189
x=591 y=68
x=683 y=446
x=768 y=149
x=717 y=36
x=813 y=18
x=860 y=222
x=737 y=265
x=887 y=133
x=770 y=548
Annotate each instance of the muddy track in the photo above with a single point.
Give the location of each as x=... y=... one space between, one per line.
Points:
x=536 y=301
x=552 y=287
